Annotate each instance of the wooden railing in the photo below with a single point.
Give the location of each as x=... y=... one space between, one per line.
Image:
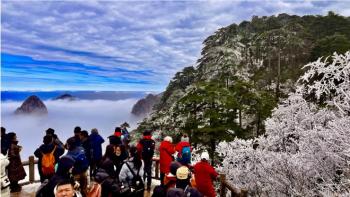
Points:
x=224 y=185
x=32 y=162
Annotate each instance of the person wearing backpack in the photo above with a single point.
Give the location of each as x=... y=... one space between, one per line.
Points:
x=146 y=148
x=48 y=154
x=166 y=151
x=183 y=185
x=63 y=172
x=132 y=171
x=56 y=140
x=81 y=164
x=184 y=150
x=205 y=174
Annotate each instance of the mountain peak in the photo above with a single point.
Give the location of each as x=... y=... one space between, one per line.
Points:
x=32 y=105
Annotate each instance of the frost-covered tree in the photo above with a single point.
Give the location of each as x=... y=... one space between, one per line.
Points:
x=306 y=148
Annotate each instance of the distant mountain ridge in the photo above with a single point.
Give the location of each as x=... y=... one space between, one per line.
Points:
x=32 y=105
x=85 y=95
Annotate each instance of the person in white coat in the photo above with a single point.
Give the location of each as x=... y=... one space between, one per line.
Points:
x=135 y=163
x=5 y=182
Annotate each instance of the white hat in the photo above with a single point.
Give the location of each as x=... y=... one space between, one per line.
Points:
x=205 y=155
x=168 y=139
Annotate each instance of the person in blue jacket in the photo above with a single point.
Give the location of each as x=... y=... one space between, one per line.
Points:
x=96 y=142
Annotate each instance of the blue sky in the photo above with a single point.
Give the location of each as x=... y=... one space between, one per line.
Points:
x=119 y=45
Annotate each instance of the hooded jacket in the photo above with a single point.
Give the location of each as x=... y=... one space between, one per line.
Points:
x=204 y=174
x=166 y=150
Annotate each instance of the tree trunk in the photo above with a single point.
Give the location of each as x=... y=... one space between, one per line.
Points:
x=278 y=75
x=212 y=150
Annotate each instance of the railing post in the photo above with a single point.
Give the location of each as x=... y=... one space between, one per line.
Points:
x=157 y=169
x=31 y=169
x=222 y=185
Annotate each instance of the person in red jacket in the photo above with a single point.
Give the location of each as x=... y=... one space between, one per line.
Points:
x=166 y=151
x=204 y=174
x=185 y=141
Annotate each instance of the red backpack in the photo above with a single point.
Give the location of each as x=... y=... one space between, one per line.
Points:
x=48 y=163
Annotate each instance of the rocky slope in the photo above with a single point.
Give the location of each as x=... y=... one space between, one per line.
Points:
x=144 y=106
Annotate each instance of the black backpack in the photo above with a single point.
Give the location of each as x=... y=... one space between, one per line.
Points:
x=148 y=149
x=136 y=182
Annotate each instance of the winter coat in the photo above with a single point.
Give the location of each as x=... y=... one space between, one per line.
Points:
x=118 y=161
x=140 y=146
x=88 y=149
x=170 y=181
x=166 y=150
x=81 y=162
x=108 y=166
x=180 y=145
x=96 y=142
x=15 y=168
x=204 y=175
x=47 y=148
x=5 y=144
x=125 y=175
x=178 y=192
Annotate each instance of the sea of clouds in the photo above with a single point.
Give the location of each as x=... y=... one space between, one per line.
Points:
x=63 y=116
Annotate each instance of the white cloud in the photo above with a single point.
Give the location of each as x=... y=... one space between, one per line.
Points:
x=63 y=117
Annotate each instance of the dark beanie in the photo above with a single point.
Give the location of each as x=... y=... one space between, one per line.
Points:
x=72 y=142
x=50 y=131
x=147 y=132
x=174 y=166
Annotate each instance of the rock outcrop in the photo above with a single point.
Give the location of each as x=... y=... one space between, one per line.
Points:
x=32 y=105
x=67 y=97
x=144 y=106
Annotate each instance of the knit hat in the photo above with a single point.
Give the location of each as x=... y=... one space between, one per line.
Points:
x=168 y=139
x=185 y=139
x=205 y=155
x=174 y=166
x=182 y=173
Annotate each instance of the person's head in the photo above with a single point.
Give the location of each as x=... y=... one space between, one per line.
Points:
x=185 y=138
x=174 y=166
x=118 y=132
x=65 y=165
x=182 y=177
x=71 y=143
x=12 y=137
x=77 y=131
x=50 y=131
x=136 y=158
x=168 y=139
x=94 y=130
x=147 y=133
x=205 y=156
x=119 y=149
x=47 y=139
x=3 y=131
x=84 y=135
x=109 y=151
x=64 y=188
